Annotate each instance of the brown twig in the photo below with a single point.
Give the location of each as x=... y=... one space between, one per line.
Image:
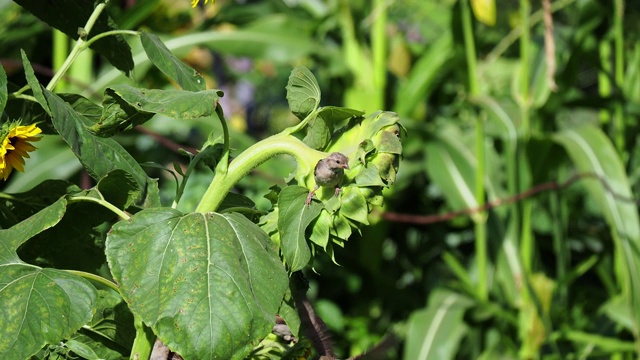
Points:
x=551 y=185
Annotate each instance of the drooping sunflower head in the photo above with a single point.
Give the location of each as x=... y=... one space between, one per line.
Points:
x=15 y=144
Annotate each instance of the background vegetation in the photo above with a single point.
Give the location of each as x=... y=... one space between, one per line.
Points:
x=512 y=229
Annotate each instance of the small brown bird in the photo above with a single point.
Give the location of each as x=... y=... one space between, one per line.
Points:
x=329 y=172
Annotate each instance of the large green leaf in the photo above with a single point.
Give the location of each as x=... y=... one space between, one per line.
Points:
x=126 y=106
x=592 y=152
x=208 y=284
x=293 y=219
x=70 y=15
x=303 y=92
x=434 y=332
x=38 y=306
x=98 y=155
x=170 y=65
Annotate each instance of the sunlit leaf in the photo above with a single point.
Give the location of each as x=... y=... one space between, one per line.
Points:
x=294 y=217
x=208 y=284
x=452 y=167
x=484 y=11
x=303 y=92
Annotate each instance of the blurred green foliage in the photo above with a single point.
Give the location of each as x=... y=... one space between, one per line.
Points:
x=561 y=264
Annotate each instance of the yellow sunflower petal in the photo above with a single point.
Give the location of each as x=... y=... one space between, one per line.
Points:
x=15 y=146
x=16 y=162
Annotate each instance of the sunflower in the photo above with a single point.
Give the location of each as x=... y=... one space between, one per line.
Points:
x=15 y=143
x=194 y=3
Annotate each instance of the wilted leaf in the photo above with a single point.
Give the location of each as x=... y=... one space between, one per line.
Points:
x=208 y=284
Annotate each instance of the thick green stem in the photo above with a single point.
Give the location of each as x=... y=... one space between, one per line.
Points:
x=143 y=343
x=255 y=155
x=474 y=90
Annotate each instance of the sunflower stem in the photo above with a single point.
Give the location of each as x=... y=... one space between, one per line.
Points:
x=255 y=155
x=78 y=47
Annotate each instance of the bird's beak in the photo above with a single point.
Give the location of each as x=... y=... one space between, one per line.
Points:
x=346 y=166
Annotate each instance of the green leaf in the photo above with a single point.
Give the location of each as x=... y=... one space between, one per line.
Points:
x=33 y=82
x=119 y=188
x=99 y=156
x=320 y=229
x=303 y=92
x=354 y=205
x=424 y=75
x=451 y=166
x=38 y=306
x=209 y=285
x=592 y=152
x=320 y=127
x=4 y=92
x=294 y=217
x=20 y=206
x=163 y=59
x=126 y=106
x=69 y=15
x=233 y=200
x=435 y=332
x=111 y=332
x=334 y=114
x=369 y=175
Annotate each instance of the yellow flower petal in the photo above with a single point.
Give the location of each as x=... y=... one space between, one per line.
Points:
x=15 y=146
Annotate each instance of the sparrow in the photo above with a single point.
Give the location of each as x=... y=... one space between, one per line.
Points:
x=329 y=172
